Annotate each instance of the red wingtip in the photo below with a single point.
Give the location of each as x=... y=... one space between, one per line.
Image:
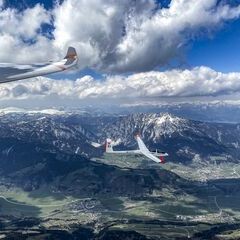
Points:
x=162 y=159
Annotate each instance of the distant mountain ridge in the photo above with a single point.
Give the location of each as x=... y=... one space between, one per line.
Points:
x=223 y=111
x=74 y=133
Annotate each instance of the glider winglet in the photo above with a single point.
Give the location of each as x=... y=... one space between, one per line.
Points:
x=71 y=56
x=71 y=53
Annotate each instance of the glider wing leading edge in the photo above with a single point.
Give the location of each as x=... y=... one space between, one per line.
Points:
x=13 y=72
x=144 y=150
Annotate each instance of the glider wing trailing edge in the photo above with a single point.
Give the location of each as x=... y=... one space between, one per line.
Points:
x=13 y=72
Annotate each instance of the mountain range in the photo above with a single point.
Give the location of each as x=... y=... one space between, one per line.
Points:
x=183 y=139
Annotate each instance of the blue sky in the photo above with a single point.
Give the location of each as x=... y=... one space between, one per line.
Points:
x=220 y=51
x=21 y=4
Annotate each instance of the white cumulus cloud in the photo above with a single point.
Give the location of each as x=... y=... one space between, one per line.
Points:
x=110 y=36
x=133 y=36
x=19 y=29
x=199 y=81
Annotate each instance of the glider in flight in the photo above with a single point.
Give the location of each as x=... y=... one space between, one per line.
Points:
x=156 y=156
x=13 y=72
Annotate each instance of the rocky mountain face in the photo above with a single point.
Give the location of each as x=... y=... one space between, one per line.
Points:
x=30 y=166
x=42 y=149
x=36 y=149
x=184 y=140
x=64 y=133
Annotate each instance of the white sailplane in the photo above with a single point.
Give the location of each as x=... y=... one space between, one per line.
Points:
x=156 y=156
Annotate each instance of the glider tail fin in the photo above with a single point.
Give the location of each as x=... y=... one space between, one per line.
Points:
x=109 y=147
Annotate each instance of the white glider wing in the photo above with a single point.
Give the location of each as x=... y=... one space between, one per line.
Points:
x=144 y=150
x=11 y=72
